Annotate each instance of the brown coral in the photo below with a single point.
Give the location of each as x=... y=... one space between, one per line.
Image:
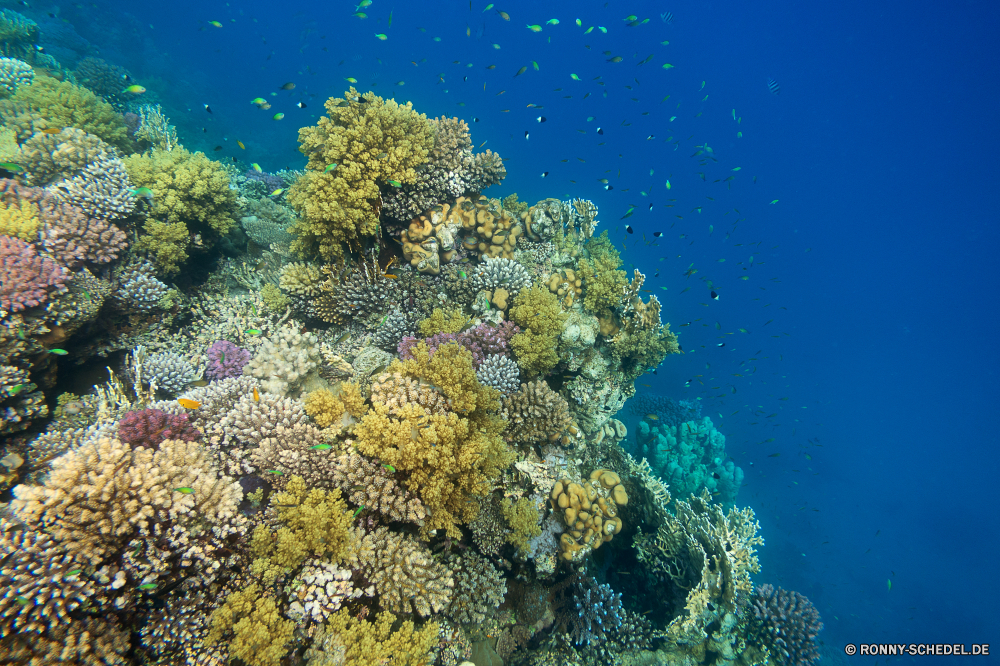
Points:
x=538 y=415
x=590 y=510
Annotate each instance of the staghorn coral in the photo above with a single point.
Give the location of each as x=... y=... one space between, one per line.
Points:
x=451 y=170
x=41 y=581
x=590 y=511
x=537 y=311
x=449 y=457
x=479 y=588
x=155 y=128
x=26 y=279
x=252 y=627
x=63 y=104
x=100 y=496
x=371 y=141
x=406 y=577
x=538 y=415
x=225 y=360
x=136 y=287
x=347 y=641
x=267 y=223
x=283 y=359
x=101 y=189
x=447 y=321
x=170 y=372
x=13 y=74
x=370 y=485
x=787 y=623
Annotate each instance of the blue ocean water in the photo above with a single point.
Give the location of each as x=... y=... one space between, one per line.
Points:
x=859 y=201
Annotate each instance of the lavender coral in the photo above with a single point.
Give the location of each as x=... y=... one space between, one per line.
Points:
x=150 y=427
x=225 y=360
x=788 y=624
x=26 y=279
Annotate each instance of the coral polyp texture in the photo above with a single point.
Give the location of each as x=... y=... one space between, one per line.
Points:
x=390 y=417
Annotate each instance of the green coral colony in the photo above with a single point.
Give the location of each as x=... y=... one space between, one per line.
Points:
x=383 y=433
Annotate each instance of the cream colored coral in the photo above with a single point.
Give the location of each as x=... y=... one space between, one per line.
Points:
x=300 y=279
x=103 y=494
x=284 y=358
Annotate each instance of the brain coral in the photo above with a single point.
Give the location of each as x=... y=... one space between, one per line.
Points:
x=370 y=141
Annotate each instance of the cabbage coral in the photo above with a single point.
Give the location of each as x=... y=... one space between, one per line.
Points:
x=369 y=141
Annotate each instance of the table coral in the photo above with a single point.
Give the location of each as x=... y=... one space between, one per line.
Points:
x=371 y=141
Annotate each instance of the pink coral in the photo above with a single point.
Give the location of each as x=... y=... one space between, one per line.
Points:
x=74 y=238
x=150 y=427
x=25 y=277
x=481 y=340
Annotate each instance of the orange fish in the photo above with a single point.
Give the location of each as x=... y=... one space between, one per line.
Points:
x=390 y=275
x=256 y=395
x=187 y=403
x=52 y=130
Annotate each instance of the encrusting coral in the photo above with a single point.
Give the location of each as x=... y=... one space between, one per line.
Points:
x=361 y=144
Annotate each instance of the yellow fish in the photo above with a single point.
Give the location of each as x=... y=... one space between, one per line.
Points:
x=240 y=144
x=188 y=403
x=535 y=28
x=382 y=36
x=256 y=167
x=215 y=23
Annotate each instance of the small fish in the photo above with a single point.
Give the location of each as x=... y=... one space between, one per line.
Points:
x=389 y=467
x=278 y=116
x=774 y=455
x=535 y=28
x=395 y=183
x=574 y=77
x=215 y=23
x=382 y=36
x=256 y=394
x=256 y=167
x=275 y=471
x=350 y=79
x=773 y=86
x=382 y=156
x=301 y=105
x=526 y=135
x=142 y=193
x=253 y=331
x=535 y=65
x=629 y=229
x=329 y=168
x=277 y=192
x=552 y=22
x=184 y=490
x=217 y=148
x=488 y=7
x=188 y=403
x=775 y=201
x=600 y=131
x=148 y=586
x=135 y=89
x=667 y=65
x=360 y=15
x=615 y=59
x=504 y=15
x=390 y=276
x=10 y=166
x=258 y=101
x=544 y=174
x=652 y=417
x=288 y=86
x=240 y=144
x=521 y=71
x=888 y=582
x=715 y=296
x=357 y=511
x=602 y=29
x=207 y=108
x=74 y=572
x=58 y=352
x=321 y=447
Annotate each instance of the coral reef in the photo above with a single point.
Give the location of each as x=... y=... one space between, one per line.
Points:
x=369 y=141
x=26 y=279
x=479 y=588
x=283 y=359
x=499 y=372
x=225 y=360
x=536 y=415
x=170 y=372
x=590 y=510
x=14 y=73
x=537 y=311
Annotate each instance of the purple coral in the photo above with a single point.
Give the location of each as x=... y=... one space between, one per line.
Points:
x=225 y=360
x=482 y=340
x=790 y=624
x=271 y=181
x=25 y=277
x=149 y=427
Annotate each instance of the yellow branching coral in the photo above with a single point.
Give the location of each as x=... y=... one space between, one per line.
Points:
x=450 y=320
x=62 y=104
x=370 y=141
x=20 y=220
x=313 y=522
x=449 y=457
x=538 y=313
x=252 y=624
x=604 y=285
x=340 y=410
x=350 y=642
x=187 y=187
x=523 y=518
x=165 y=243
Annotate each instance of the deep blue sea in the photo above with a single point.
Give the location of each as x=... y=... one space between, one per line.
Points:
x=853 y=372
